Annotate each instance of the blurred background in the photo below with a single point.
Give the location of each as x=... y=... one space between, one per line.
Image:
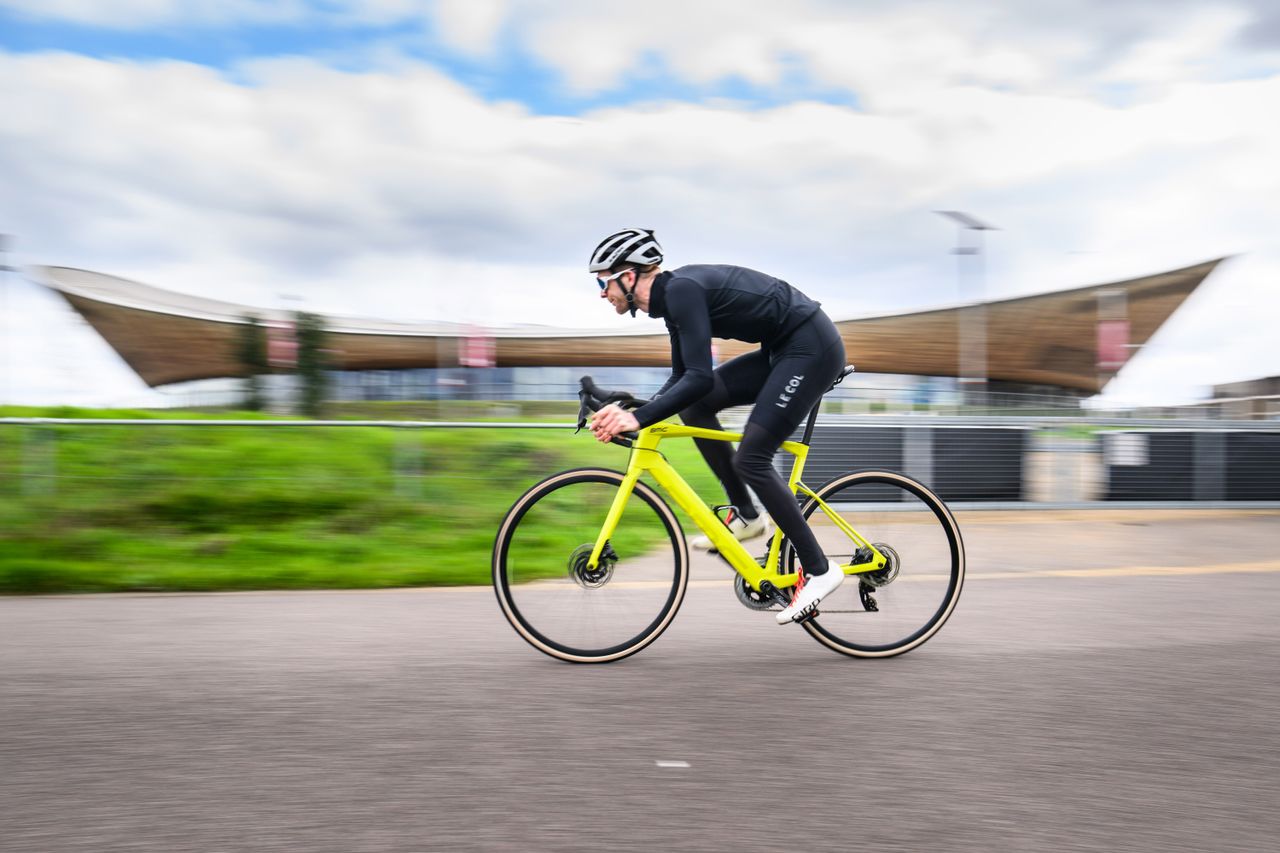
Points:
x=294 y=296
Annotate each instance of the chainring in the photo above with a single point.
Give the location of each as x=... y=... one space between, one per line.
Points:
x=750 y=598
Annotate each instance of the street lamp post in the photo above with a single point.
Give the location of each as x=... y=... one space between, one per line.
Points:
x=971 y=320
x=5 y=349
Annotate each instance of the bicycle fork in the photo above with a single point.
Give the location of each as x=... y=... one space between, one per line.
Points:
x=613 y=517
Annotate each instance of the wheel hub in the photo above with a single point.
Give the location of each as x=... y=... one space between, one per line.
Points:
x=585 y=576
x=887 y=575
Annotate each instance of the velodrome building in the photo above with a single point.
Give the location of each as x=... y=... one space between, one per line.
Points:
x=1047 y=343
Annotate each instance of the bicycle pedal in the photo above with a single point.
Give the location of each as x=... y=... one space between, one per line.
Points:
x=808 y=617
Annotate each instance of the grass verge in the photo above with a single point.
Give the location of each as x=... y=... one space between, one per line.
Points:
x=101 y=508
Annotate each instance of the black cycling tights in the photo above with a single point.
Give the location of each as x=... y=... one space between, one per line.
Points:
x=785 y=385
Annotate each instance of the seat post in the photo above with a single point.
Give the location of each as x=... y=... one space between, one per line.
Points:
x=813 y=419
x=813 y=415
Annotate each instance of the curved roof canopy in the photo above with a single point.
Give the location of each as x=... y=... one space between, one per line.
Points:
x=1046 y=339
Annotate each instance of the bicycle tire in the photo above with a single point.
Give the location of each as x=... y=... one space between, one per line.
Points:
x=917 y=595
x=559 y=606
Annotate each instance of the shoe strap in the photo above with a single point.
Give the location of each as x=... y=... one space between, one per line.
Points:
x=795 y=590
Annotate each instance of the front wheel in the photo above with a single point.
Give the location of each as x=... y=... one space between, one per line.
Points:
x=562 y=606
x=894 y=609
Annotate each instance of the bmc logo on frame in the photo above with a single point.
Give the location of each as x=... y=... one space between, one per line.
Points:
x=785 y=397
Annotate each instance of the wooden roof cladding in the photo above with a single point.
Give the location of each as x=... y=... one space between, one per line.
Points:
x=1046 y=339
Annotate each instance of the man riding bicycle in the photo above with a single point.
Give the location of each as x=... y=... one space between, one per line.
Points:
x=800 y=355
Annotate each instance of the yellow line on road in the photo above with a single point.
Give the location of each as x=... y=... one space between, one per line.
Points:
x=1134 y=571
x=1107 y=572
x=1119 y=515
x=1264 y=566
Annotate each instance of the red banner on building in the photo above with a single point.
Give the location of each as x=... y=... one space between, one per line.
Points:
x=1113 y=344
x=282 y=345
x=477 y=349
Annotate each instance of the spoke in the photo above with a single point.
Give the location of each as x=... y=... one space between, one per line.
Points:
x=623 y=610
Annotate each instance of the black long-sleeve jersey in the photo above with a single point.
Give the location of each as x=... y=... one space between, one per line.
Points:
x=702 y=301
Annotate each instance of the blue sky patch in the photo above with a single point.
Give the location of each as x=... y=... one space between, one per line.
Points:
x=511 y=75
x=216 y=47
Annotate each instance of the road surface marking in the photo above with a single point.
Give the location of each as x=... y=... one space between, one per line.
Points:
x=672 y=763
x=1013 y=574
x=1134 y=571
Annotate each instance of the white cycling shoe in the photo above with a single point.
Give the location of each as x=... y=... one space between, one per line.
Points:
x=741 y=528
x=811 y=591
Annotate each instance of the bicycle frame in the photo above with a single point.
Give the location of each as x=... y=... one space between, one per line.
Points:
x=646 y=458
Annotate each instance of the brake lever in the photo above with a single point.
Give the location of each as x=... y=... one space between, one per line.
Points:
x=589 y=394
x=625 y=439
x=583 y=409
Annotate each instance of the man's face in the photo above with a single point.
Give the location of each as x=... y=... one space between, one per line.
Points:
x=613 y=290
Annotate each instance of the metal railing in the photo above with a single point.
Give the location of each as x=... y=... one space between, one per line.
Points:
x=853 y=398
x=984 y=461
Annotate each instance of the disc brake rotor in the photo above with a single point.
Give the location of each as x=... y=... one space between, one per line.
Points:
x=887 y=575
x=587 y=577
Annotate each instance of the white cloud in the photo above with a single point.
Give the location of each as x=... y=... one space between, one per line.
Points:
x=470 y=26
x=1191 y=46
x=891 y=55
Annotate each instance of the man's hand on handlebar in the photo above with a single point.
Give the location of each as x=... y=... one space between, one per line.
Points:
x=612 y=420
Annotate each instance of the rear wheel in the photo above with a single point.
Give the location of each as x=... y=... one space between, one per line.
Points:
x=565 y=608
x=894 y=609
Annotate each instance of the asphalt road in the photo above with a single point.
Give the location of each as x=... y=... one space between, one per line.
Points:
x=1108 y=682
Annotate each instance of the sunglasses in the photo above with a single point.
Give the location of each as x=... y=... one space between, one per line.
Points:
x=604 y=282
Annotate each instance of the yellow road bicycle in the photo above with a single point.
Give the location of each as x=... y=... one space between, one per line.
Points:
x=591 y=565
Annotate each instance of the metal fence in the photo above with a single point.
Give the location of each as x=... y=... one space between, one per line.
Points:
x=973 y=462
x=861 y=395
x=1065 y=462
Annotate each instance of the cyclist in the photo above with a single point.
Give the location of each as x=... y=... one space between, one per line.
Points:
x=800 y=355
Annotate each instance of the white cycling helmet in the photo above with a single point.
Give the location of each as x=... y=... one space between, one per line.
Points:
x=630 y=246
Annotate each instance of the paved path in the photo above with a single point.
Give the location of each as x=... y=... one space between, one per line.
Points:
x=1107 y=686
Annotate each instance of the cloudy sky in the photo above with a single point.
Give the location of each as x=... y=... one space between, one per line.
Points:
x=457 y=159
